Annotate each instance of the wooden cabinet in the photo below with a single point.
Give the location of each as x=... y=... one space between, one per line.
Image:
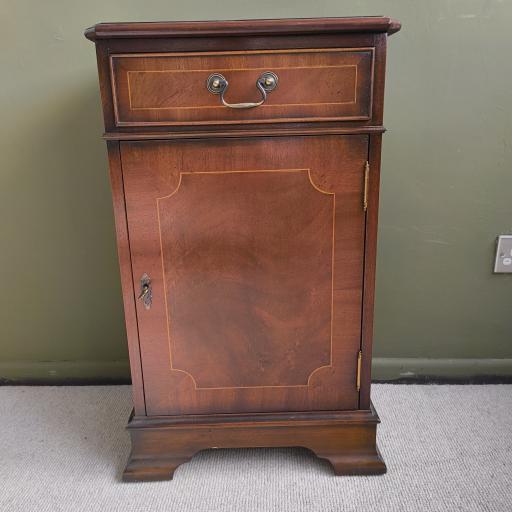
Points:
x=244 y=159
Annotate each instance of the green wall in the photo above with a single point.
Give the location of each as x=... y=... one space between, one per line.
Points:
x=445 y=192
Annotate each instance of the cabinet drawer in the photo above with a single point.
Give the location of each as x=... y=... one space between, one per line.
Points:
x=159 y=89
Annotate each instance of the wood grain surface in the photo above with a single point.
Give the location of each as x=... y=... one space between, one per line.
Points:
x=255 y=251
x=170 y=88
x=232 y=28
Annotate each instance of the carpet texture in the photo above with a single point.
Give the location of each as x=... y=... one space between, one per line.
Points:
x=448 y=448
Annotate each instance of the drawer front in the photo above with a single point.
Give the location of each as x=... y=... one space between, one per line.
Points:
x=254 y=250
x=333 y=84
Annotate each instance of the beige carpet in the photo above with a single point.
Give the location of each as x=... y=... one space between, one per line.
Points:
x=448 y=448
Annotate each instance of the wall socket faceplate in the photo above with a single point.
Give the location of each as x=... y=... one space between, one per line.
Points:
x=503 y=262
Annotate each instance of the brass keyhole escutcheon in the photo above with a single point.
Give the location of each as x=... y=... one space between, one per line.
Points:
x=145 y=294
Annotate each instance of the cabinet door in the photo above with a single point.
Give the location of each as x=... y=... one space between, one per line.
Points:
x=254 y=248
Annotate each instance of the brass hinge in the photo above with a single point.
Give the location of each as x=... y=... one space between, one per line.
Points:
x=366 y=182
x=358 y=375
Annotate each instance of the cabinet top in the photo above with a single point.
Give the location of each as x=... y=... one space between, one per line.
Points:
x=242 y=27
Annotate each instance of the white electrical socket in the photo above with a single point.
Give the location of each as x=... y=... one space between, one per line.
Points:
x=503 y=262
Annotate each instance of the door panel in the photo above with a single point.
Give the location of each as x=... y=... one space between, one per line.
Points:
x=234 y=259
x=255 y=252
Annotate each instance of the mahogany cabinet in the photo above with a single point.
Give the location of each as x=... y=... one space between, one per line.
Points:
x=244 y=160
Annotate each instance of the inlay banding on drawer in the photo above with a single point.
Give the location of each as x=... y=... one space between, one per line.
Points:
x=314 y=85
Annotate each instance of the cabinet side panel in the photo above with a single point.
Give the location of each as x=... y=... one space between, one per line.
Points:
x=369 y=269
x=379 y=44
x=374 y=157
x=107 y=101
x=123 y=250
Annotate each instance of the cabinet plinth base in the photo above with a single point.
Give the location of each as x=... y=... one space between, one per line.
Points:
x=347 y=439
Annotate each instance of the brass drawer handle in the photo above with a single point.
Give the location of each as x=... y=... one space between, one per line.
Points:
x=217 y=84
